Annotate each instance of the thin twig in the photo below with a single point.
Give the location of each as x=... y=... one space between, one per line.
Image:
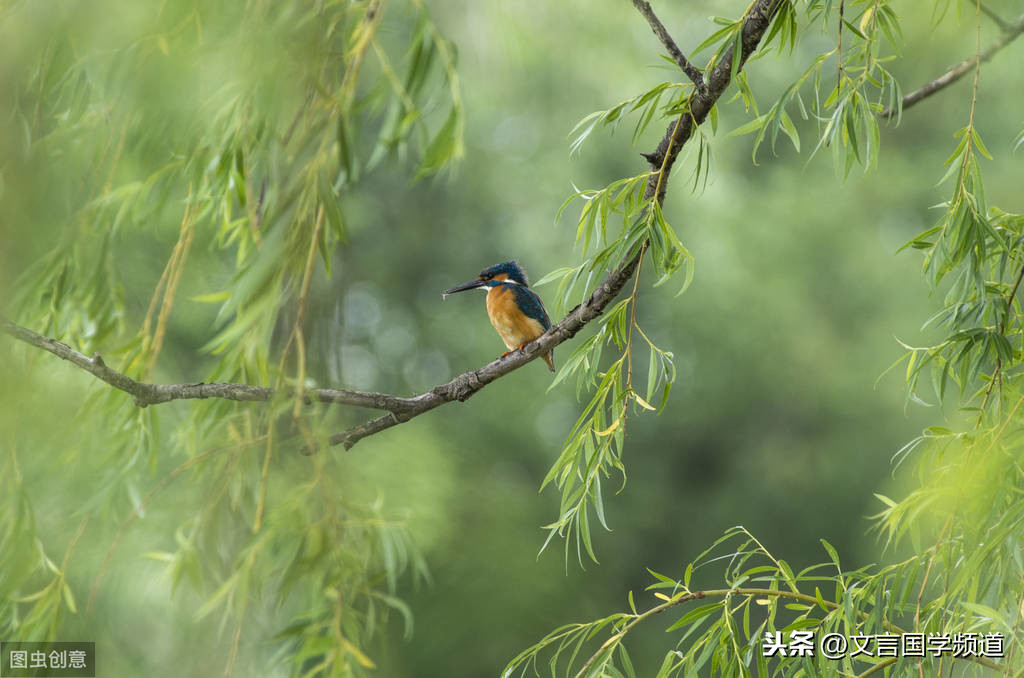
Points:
x=296 y=339
x=880 y=666
x=998 y=20
x=1010 y=33
x=297 y=334
x=1010 y=299
x=839 y=53
x=632 y=325
x=997 y=373
x=174 y=268
x=677 y=55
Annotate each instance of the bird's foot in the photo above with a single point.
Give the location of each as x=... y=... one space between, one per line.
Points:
x=520 y=348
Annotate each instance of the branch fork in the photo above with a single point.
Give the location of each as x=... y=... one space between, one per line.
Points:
x=1010 y=32
x=692 y=72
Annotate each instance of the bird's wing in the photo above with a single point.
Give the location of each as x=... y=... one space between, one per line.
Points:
x=531 y=304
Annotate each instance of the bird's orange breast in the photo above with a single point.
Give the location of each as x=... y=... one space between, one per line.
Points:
x=515 y=327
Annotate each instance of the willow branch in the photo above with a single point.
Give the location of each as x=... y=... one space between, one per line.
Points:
x=677 y=55
x=1010 y=33
x=146 y=394
x=688 y=596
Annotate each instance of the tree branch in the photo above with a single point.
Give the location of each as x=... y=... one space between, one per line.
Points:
x=755 y=25
x=460 y=388
x=998 y=20
x=1010 y=33
x=146 y=394
x=673 y=49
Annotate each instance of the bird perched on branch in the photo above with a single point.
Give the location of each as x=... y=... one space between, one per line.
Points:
x=514 y=309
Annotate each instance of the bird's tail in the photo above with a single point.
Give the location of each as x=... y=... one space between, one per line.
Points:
x=549 y=358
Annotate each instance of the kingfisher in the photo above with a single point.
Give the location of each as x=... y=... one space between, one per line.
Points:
x=515 y=310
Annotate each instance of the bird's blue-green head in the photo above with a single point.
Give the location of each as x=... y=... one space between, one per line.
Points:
x=506 y=272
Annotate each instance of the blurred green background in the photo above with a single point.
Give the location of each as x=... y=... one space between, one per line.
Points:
x=775 y=423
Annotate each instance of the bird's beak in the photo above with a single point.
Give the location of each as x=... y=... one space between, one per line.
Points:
x=472 y=284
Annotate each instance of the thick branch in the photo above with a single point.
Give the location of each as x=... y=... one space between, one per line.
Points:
x=146 y=394
x=1010 y=33
x=465 y=385
x=758 y=19
x=677 y=55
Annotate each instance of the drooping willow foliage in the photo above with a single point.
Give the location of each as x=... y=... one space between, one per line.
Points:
x=965 y=517
x=266 y=116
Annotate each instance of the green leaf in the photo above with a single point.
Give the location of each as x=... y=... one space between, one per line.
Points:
x=989 y=613
x=694 y=615
x=69 y=599
x=219 y=595
x=446 y=146
x=979 y=144
x=753 y=126
x=790 y=129
x=832 y=553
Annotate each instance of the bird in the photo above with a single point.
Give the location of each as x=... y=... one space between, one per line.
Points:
x=515 y=310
